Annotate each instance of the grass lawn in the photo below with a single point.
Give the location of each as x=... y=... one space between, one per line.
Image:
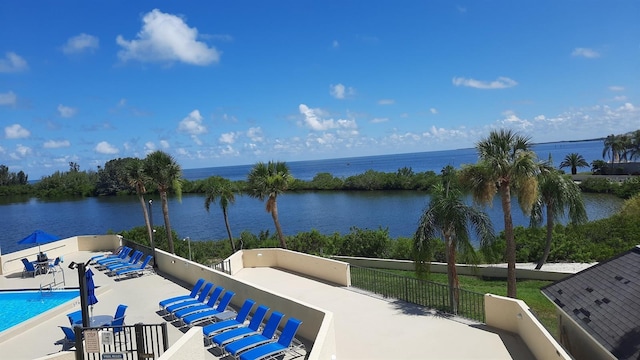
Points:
x=528 y=291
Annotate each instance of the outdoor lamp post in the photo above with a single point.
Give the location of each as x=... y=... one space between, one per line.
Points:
x=82 y=282
x=151 y=240
x=188 y=240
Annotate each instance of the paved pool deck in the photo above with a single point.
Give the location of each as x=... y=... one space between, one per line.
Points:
x=366 y=327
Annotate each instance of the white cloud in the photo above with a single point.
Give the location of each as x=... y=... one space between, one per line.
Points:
x=8 y=98
x=16 y=131
x=166 y=38
x=52 y=144
x=585 y=52
x=164 y=144
x=313 y=121
x=149 y=146
x=21 y=152
x=228 y=138
x=255 y=134
x=340 y=91
x=192 y=124
x=616 y=88
x=512 y=121
x=81 y=43
x=335 y=44
x=104 y=147
x=379 y=120
x=619 y=98
x=500 y=83
x=12 y=63
x=433 y=110
x=66 y=111
x=461 y=9
x=386 y=102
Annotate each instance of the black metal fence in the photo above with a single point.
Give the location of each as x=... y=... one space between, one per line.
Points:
x=133 y=342
x=421 y=292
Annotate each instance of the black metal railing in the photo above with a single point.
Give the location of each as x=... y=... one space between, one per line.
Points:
x=420 y=292
x=224 y=266
x=134 y=342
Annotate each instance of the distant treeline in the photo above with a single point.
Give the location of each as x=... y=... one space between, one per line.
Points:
x=111 y=180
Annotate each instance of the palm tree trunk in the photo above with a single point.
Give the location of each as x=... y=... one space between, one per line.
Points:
x=452 y=274
x=147 y=222
x=547 y=247
x=226 y=223
x=505 y=194
x=167 y=224
x=276 y=221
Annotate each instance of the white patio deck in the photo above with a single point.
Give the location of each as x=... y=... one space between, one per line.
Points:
x=366 y=327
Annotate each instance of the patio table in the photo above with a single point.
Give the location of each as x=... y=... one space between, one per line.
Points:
x=97 y=321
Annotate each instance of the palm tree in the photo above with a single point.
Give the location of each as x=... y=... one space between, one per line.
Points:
x=163 y=170
x=634 y=145
x=574 y=161
x=449 y=217
x=615 y=146
x=218 y=188
x=268 y=181
x=136 y=178
x=557 y=193
x=506 y=163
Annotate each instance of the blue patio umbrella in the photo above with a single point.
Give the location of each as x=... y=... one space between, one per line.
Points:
x=91 y=289
x=39 y=237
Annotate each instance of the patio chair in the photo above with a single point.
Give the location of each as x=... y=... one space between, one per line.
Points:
x=114 y=254
x=241 y=317
x=208 y=314
x=126 y=261
x=265 y=339
x=213 y=298
x=121 y=256
x=112 y=267
x=53 y=265
x=118 y=318
x=69 y=340
x=194 y=292
x=229 y=336
x=29 y=268
x=272 y=349
x=75 y=317
x=137 y=271
x=184 y=304
x=254 y=325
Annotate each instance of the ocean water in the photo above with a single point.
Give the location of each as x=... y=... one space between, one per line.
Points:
x=419 y=162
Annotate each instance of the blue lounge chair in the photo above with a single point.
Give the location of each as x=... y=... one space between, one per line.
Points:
x=112 y=255
x=122 y=264
x=197 y=301
x=275 y=348
x=208 y=314
x=69 y=340
x=29 y=268
x=222 y=339
x=267 y=336
x=212 y=329
x=194 y=292
x=138 y=271
x=213 y=298
x=254 y=325
x=121 y=256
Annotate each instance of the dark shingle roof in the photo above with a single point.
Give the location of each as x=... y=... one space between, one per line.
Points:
x=605 y=300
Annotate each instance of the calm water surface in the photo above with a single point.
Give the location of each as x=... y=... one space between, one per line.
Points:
x=327 y=212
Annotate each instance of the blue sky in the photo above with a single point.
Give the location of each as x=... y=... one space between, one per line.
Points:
x=217 y=83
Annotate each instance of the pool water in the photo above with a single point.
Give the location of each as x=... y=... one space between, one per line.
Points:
x=19 y=306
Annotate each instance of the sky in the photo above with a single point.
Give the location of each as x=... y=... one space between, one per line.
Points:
x=217 y=83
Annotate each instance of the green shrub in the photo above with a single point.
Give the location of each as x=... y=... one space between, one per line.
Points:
x=366 y=243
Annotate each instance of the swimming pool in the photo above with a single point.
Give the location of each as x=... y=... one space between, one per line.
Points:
x=19 y=306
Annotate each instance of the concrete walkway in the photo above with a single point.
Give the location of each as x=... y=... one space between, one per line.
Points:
x=368 y=327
